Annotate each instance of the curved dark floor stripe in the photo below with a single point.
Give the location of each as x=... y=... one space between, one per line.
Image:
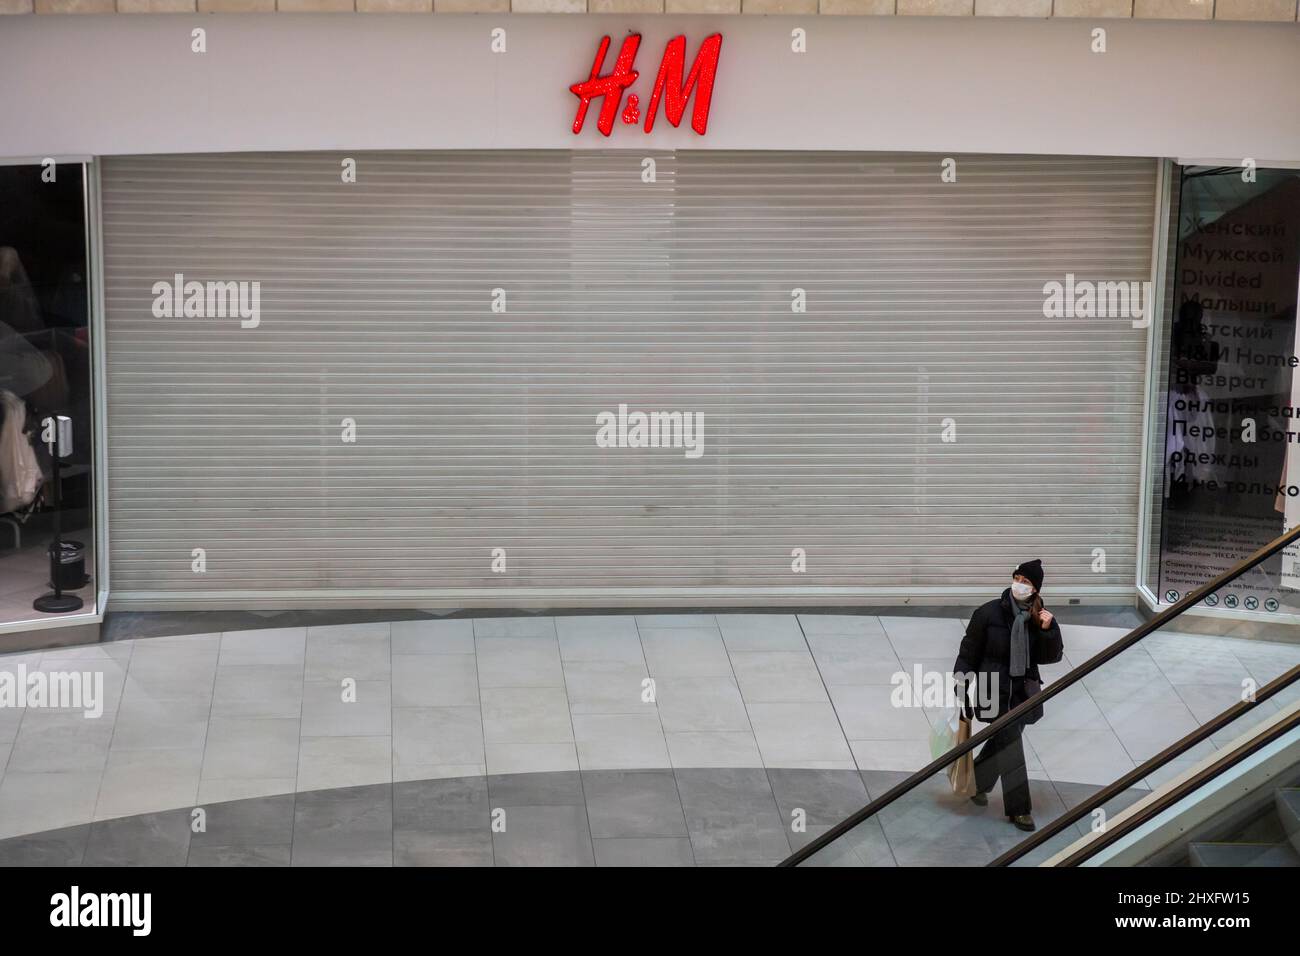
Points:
x=684 y=817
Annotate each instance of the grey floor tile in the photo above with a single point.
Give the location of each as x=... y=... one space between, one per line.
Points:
x=854 y=659
x=865 y=845
x=685 y=652
x=148 y=781
x=847 y=624
x=911 y=754
x=185 y=668
x=34 y=802
x=869 y=712
x=422 y=848
x=263 y=747
x=227 y=789
x=714 y=750
x=1081 y=756
x=146 y=724
x=258 y=691
x=359 y=652
x=240 y=856
x=538 y=627
x=100 y=651
x=880 y=782
x=1073 y=794
x=66 y=847
x=60 y=742
x=505 y=758
x=601 y=626
x=825 y=796
x=606 y=687
x=639 y=803
x=1197 y=663
x=205 y=645
x=778 y=676
x=442 y=823
x=435 y=736
x=732 y=816
x=149 y=839
x=643 y=851
x=931 y=826
x=452 y=805
x=701 y=705
x=365 y=709
x=523 y=662
x=1132 y=673
x=325 y=763
x=526 y=715
x=435 y=680
x=272 y=647
x=560 y=789
x=620 y=741
x=10 y=719
x=762 y=632
x=544 y=836
x=349 y=827
x=925 y=636
x=599 y=638
x=259 y=821
x=433 y=637
x=644 y=621
x=800 y=735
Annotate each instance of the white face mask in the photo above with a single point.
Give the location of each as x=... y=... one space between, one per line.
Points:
x=1021 y=591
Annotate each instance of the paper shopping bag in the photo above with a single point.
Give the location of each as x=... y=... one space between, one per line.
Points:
x=961 y=773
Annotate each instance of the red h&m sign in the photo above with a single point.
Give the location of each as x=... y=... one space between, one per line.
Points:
x=673 y=85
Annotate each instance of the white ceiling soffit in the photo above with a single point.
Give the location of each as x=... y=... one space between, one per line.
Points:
x=120 y=85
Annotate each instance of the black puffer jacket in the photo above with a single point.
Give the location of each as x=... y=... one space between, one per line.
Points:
x=986 y=648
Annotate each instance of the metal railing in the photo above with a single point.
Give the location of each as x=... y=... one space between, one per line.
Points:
x=1174 y=750
x=1014 y=715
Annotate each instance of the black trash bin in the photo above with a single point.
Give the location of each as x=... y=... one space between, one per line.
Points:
x=68 y=566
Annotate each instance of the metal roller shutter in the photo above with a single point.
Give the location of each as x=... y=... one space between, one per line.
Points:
x=477 y=429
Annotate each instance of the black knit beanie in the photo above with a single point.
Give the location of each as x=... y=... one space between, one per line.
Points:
x=1032 y=570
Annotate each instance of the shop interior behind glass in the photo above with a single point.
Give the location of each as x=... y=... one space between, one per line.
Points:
x=45 y=372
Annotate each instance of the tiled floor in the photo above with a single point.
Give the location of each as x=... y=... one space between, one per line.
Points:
x=655 y=738
x=687 y=817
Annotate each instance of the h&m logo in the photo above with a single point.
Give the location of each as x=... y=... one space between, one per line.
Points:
x=673 y=85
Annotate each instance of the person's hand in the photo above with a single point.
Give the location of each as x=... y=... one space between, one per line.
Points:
x=1044 y=618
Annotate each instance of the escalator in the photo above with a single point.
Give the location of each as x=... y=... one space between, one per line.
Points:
x=1238 y=808
x=1120 y=811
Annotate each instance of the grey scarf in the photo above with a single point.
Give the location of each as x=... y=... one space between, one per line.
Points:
x=1019 y=639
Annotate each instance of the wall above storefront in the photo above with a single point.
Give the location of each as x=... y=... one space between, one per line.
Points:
x=122 y=85
x=1275 y=10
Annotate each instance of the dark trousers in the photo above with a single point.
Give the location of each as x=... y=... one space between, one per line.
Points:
x=1003 y=755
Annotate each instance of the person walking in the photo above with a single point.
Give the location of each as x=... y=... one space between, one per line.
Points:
x=1006 y=640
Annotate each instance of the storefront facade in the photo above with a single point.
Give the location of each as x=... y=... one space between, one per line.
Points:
x=829 y=350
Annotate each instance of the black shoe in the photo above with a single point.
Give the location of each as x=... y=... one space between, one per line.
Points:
x=1023 y=821
x=980 y=799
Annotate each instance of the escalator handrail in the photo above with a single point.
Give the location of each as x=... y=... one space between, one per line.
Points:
x=1051 y=690
x=1174 y=750
x=1162 y=802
